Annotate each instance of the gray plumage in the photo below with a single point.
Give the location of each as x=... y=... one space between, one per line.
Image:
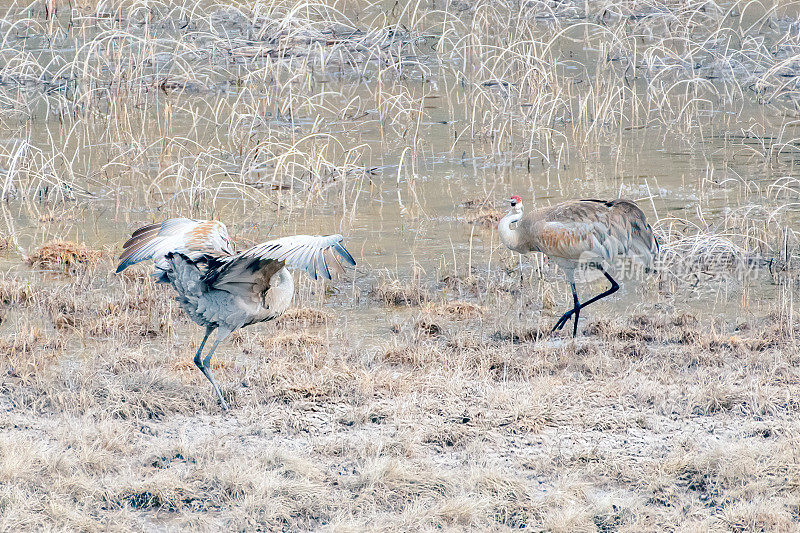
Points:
x=224 y=291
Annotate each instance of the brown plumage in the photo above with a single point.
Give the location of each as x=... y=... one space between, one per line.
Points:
x=581 y=231
x=194 y=238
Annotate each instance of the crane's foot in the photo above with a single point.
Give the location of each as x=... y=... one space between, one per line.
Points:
x=222 y=401
x=213 y=382
x=563 y=320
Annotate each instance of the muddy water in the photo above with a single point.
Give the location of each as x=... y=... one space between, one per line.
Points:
x=401 y=210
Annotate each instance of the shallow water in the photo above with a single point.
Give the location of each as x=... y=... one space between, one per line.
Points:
x=404 y=145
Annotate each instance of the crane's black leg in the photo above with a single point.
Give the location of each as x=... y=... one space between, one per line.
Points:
x=204 y=367
x=614 y=288
x=197 y=359
x=578 y=306
x=576 y=309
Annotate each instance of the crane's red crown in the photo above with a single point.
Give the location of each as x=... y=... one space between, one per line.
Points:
x=515 y=200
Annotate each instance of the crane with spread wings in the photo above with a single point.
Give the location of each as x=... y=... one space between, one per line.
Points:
x=225 y=290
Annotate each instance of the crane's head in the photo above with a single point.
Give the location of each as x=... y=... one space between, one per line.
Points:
x=516 y=204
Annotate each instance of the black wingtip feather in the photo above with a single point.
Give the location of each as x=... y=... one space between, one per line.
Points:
x=125 y=264
x=160 y=275
x=344 y=253
x=326 y=272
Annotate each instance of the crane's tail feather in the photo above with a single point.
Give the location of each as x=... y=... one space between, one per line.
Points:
x=652 y=254
x=184 y=276
x=650 y=246
x=641 y=240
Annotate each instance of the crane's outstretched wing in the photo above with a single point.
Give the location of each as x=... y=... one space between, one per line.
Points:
x=313 y=253
x=180 y=235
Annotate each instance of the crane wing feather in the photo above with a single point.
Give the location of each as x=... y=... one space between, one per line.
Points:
x=179 y=235
x=142 y=234
x=309 y=252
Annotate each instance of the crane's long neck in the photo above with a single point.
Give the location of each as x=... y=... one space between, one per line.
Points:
x=508 y=235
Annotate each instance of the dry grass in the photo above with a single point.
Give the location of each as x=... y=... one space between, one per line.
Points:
x=397 y=292
x=457 y=310
x=15 y=291
x=64 y=256
x=648 y=420
x=304 y=316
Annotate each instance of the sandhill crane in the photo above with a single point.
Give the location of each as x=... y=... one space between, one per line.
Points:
x=580 y=231
x=222 y=290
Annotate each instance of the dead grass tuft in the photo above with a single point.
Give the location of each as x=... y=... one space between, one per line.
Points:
x=458 y=310
x=64 y=256
x=136 y=310
x=760 y=514
x=188 y=366
x=14 y=291
x=428 y=328
x=486 y=216
x=397 y=293
x=419 y=355
x=482 y=212
x=295 y=340
x=304 y=316
x=29 y=341
x=107 y=325
x=468 y=283
x=452 y=435
x=519 y=335
x=158 y=494
x=608 y=329
x=136 y=274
